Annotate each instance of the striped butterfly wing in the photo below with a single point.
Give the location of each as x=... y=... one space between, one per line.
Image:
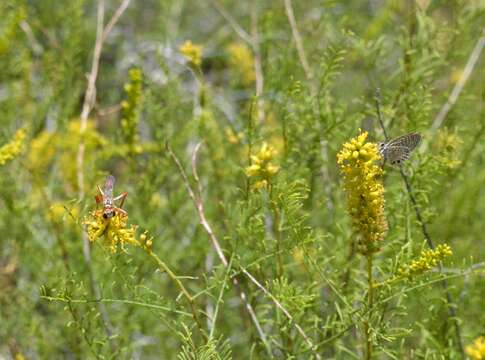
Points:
x=410 y=141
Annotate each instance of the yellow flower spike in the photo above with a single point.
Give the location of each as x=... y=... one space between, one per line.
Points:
x=365 y=194
x=11 y=149
x=192 y=52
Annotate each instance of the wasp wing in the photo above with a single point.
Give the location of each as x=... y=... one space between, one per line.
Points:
x=108 y=186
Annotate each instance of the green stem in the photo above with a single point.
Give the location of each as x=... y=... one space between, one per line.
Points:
x=276 y=231
x=164 y=267
x=370 y=304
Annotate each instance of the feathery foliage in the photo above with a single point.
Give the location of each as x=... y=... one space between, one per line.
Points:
x=260 y=221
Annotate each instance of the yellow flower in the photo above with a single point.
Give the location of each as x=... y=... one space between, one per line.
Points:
x=476 y=350
x=365 y=193
x=242 y=61
x=11 y=149
x=113 y=231
x=192 y=52
x=428 y=260
x=262 y=167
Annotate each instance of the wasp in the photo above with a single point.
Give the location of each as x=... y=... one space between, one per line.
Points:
x=105 y=197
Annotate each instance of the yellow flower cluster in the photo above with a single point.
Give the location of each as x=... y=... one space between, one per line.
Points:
x=192 y=52
x=262 y=167
x=242 y=61
x=10 y=150
x=114 y=231
x=428 y=260
x=477 y=350
x=130 y=106
x=365 y=194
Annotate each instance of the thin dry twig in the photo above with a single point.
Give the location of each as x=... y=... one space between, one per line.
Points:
x=232 y=22
x=34 y=44
x=470 y=65
x=197 y=200
x=258 y=67
x=254 y=42
x=282 y=308
x=114 y=19
x=90 y=95
x=202 y=220
x=298 y=41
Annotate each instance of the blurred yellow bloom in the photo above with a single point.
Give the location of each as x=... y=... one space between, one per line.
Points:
x=476 y=350
x=19 y=356
x=262 y=167
x=59 y=212
x=233 y=137
x=192 y=52
x=456 y=75
x=242 y=61
x=11 y=149
x=365 y=193
x=428 y=260
x=114 y=231
x=130 y=110
x=41 y=150
x=447 y=145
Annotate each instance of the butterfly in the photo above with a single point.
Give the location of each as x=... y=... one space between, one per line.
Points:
x=399 y=149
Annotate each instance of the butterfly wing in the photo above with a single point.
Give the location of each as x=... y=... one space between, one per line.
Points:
x=410 y=141
x=396 y=154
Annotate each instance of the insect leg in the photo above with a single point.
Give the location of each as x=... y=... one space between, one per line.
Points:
x=121 y=197
x=121 y=211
